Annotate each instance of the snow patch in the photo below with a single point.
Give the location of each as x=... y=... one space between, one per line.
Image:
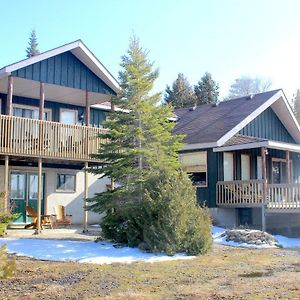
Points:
x=82 y=251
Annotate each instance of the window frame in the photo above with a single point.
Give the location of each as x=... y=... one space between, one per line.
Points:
x=62 y=109
x=24 y=106
x=191 y=173
x=60 y=190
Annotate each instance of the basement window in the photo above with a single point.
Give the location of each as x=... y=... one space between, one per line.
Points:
x=66 y=183
x=195 y=164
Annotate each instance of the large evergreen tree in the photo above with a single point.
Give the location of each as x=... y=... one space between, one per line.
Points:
x=181 y=94
x=32 y=48
x=141 y=155
x=206 y=90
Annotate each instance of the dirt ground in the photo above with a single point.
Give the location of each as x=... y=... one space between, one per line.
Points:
x=225 y=273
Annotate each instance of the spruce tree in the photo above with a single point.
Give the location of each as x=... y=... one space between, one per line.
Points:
x=181 y=94
x=32 y=48
x=206 y=90
x=141 y=155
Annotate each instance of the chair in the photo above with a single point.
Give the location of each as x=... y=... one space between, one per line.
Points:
x=45 y=219
x=61 y=218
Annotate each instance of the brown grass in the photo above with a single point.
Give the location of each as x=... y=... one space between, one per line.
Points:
x=225 y=273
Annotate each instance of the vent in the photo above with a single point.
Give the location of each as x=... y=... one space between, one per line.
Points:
x=250 y=97
x=215 y=104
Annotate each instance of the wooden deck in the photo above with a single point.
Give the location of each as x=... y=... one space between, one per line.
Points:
x=249 y=193
x=35 y=138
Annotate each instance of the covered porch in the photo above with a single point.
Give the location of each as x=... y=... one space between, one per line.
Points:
x=259 y=173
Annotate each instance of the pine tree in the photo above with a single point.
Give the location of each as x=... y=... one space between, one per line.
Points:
x=207 y=90
x=297 y=105
x=181 y=94
x=141 y=155
x=32 y=48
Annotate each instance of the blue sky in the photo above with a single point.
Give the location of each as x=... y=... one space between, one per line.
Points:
x=227 y=38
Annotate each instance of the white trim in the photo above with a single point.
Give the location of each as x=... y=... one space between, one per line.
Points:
x=284 y=146
x=268 y=144
x=198 y=146
x=80 y=51
x=249 y=118
x=48 y=110
x=241 y=146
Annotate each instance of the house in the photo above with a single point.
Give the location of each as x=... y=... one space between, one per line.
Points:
x=244 y=157
x=52 y=109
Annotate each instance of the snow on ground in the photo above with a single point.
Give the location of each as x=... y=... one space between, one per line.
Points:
x=285 y=242
x=82 y=251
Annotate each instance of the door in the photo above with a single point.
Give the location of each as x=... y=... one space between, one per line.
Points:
x=18 y=195
x=23 y=192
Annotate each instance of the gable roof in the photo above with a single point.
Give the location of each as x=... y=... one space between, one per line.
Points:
x=78 y=49
x=212 y=126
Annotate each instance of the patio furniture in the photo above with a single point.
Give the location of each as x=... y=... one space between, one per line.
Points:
x=61 y=218
x=31 y=213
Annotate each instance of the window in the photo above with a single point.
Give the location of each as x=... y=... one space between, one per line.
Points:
x=68 y=116
x=228 y=166
x=195 y=164
x=30 y=112
x=245 y=164
x=65 y=182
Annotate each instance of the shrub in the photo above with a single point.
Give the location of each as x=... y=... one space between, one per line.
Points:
x=173 y=220
x=7 y=266
x=6 y=215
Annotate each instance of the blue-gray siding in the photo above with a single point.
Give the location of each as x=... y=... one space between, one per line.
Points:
x=66 y=70
x=97 y=115
x=267 y=125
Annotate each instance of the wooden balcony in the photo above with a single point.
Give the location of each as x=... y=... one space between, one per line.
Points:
x=35 y=138
x=249 y=193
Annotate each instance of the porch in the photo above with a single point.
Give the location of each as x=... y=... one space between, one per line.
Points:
x=46 y=139
x=282 y=197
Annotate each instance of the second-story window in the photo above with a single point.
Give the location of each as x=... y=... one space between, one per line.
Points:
x=30 y=112
x=68 y=116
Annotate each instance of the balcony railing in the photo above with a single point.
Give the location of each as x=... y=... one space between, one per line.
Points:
x=240 y=192
x=249 y=193
x=29 y=137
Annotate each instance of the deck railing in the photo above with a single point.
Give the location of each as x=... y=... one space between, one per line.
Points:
x=240 y=192
x=283 y=196
x=30 y=137
x=249 y=193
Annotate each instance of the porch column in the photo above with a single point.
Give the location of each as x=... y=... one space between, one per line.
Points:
x=39 y=198
x=42 y=101
x=6 y=176
x=264 y=191
x=288 y=166
x=87 y=109
x=9 y=96
x=86 y=196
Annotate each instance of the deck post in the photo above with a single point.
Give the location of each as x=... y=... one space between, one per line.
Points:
x=39 y=198
x=10 y=84
x=264 y=191
x=6 y=176
x=86 y=196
